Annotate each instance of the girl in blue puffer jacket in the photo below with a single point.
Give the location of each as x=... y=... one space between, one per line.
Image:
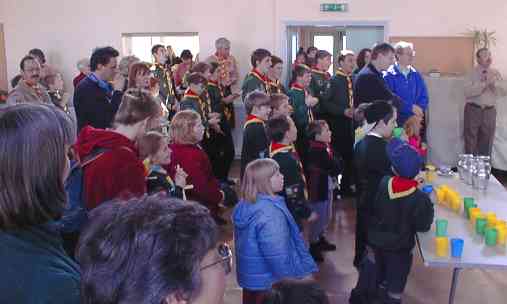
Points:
x=269 y=246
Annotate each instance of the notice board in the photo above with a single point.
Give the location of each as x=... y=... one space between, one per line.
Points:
x=448 y=55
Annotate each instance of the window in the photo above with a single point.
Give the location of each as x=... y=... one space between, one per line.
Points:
x=140 y=44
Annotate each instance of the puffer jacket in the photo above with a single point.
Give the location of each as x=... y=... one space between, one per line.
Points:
x=268 y=244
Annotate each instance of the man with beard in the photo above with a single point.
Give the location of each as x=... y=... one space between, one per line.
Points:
x=29 y=88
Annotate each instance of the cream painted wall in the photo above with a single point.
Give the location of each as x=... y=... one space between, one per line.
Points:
x=68 y=30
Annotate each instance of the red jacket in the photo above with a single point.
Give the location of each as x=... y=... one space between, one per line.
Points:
x=116 y=173
x=194 y=161
x=78 y=79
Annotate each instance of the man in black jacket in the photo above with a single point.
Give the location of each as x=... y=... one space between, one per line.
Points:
x=95 y=99
x=370 y=85
x=337 y=108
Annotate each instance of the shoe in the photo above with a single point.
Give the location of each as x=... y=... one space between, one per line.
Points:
x=220 y=220
x=324 y=244
x=316 y=253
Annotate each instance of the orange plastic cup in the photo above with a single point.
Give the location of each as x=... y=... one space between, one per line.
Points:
x=474 y=213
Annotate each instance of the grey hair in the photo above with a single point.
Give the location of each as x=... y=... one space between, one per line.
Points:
x=153 y=243
x=85 y=62
x=222 y=42
x=125 y=63
x=401 y=45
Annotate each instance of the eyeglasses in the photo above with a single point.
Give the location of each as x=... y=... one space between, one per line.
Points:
x=225 y=254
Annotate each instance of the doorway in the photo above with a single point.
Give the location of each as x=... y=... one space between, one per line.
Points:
x=332 y=38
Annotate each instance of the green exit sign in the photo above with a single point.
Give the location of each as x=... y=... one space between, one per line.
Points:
x=333 y=7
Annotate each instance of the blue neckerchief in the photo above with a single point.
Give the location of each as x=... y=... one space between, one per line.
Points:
x=104 y=85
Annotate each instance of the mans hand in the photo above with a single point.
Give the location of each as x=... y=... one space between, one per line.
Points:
x=417 y=110
x=118 y=82
x=349 y=112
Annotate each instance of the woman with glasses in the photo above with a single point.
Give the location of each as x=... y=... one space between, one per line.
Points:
x=268 y=242
x=153 y=249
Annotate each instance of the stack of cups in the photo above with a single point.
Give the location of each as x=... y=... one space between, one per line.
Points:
x=501 y=228
x=468 y=202
x=441 y=239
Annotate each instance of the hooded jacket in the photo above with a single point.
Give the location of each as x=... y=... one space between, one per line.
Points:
x=117 y=173
x=268 y=244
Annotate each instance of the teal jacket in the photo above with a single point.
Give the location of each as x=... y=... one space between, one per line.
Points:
x=36 y=269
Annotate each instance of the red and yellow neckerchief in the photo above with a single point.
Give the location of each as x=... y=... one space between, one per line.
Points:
x=323 y=73
x=298 y=87
x=275 y=148
x=399 y=187
x=251 y=119
x=349 y=86
x=263 y=78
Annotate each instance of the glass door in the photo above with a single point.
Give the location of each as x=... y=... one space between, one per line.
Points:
x=331 y=40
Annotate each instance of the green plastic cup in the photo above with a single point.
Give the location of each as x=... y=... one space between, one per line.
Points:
x=441 y=227
x=491 y=236
x=397 y=132
x=468 y=202
x=480 y=226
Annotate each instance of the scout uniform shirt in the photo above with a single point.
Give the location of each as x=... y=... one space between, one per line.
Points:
x=216 y=96
x=255 y=80
x=302 y=113
x=294 y=182
x=255 y=141
x=319 y=85
x=167 y=92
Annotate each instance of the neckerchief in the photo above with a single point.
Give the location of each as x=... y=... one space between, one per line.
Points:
x=323 y=73
x=400 y=187
x=298 y=87
x=349 y=86
x=251 y=119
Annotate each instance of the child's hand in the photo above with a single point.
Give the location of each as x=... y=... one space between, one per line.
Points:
x=180 y=178
x=311 y=101
x=313 y=217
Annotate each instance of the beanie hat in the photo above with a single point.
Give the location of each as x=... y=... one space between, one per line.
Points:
x=404 y=159
x=377 y=111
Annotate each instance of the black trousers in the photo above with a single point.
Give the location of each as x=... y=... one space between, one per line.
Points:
x=343 y=143
x=220 y=150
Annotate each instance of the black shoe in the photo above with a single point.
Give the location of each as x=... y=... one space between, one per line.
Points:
x=316 y=253
x=324 y=245
x=220 y=220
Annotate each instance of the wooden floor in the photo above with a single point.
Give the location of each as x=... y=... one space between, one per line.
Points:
x=425 y=285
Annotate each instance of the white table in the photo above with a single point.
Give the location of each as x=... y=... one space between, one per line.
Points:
x=475 y=254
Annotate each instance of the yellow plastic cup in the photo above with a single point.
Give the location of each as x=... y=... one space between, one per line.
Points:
x=501 y=224
x=442 y=246
x=440 y=193
x=502 y=235
x=492 y=220
x=474 y=213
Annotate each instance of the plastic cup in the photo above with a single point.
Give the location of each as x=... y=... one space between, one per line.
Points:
x=468 y=202
x=440 y=193
x=480 y=225
x=501 y=224
x=427 y=189
x=502 y=236
x=474 y=212
x=397 y=132
x=441 y=227
x=457 y=247
x=442 y=246
x=491 y=236
x=491 y=217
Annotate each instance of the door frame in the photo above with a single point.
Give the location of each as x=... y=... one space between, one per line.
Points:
x=3 y=61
